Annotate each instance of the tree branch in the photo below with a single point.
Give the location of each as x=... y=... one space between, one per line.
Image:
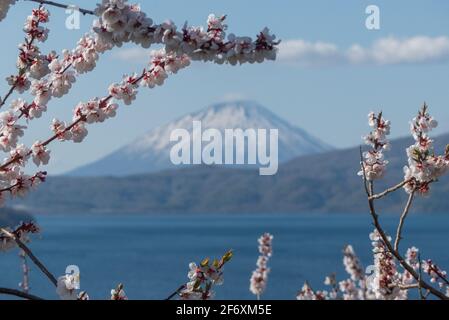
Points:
x=176 y=292
x=3 y=101
x=389 y=246
x=402 y=220
x=30 y=254
x=421 y=295
x=63 y=6
x=390 y=190
x=20 y=294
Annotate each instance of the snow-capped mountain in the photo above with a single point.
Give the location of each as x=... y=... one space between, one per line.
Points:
x=151 y=152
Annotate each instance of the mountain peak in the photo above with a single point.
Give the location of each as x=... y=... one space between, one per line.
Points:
x=151 y=152
x=244 y=108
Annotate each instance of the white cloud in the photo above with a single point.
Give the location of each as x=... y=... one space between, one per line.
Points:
x=308 y=53
x=385 y=51
x=133 y=55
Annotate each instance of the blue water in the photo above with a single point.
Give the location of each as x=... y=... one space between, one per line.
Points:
x=150 y=254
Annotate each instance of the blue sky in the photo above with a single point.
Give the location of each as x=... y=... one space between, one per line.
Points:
x=324 y=92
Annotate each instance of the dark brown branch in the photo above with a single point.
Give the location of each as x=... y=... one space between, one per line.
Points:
x=33 y=258
x=63 y=6
x=3 y=101
x=174 y=294
x=20 y=294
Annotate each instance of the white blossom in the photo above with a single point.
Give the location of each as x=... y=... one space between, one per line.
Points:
x=259 y=277
x=118 y=293
x=203 y=277
x=424 y=167
x=41 y=156
x=386 y=279
x=374 y=164
x=66 y=287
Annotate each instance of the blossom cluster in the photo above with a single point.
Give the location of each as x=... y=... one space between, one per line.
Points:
x=96 y=110
x=436 y=274
x=120 y=22
x=354 y=288
x=67 y=286
x=53 y=75
x=203 y=277
x=307 y=293
x=4 y=7
x=385 y=283
x=259 y=277
x=30 y=62
x=424 y=167
x=118 y=294
x=374 y=164
x=21 y=232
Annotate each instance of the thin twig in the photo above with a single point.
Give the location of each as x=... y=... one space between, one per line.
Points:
x=3 y=101
x=18 y=293
x=390 y=190
x=402 y=220
x=364 y=173
x=63 y=6
x=30 y=254
x=421 y=295
x=440 y=275
x=408 y=287
x=176 y=292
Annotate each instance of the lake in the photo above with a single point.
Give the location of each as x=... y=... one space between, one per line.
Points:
x=150 y=254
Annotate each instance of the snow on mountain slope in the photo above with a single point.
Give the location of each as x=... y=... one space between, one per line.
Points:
x=151 y=152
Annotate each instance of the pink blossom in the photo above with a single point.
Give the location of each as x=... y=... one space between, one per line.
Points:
x=40 y=154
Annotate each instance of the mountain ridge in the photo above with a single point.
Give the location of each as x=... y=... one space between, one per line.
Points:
x=320 y=183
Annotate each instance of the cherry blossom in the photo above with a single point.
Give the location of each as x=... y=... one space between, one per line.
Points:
x=118 y=293
x=386 y=277
x=203 y=277
x=22 y=232
x=120 y=23
x=66 y=288
x=59 y=128
x=424 y=167
x=436 y=274
x=352 y=264
x=41 y=155
x=374 y=164
x=259 y=278
x=19 y=82
x=307 y=293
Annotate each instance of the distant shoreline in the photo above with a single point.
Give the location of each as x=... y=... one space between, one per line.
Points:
x=10 y=217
